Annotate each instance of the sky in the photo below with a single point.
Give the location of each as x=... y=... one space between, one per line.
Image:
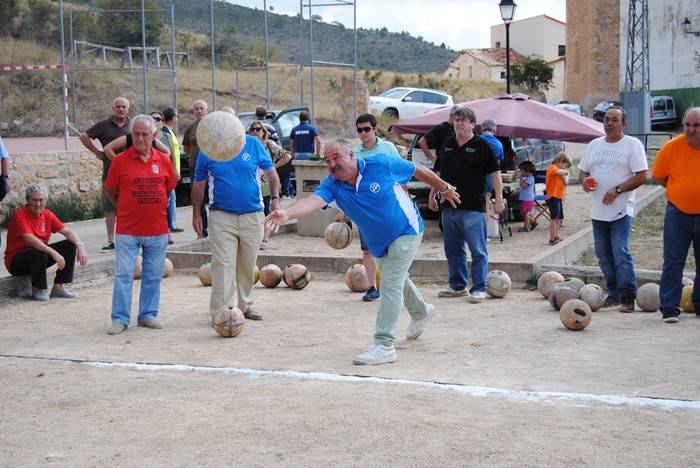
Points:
x=460 y=24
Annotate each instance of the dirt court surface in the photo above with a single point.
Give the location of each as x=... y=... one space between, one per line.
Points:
x=499 y=383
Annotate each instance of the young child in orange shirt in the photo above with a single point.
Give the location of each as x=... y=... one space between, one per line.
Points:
x=555 y=185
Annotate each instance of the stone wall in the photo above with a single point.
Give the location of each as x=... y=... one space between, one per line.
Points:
x=62 y=172
x=592 y=51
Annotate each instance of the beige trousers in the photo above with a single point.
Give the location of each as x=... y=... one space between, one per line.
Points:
x=234 y=241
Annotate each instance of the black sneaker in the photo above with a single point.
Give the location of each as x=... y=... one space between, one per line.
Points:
x=627 y=305
x=109 y=246
x=372 y=294
x=670 y=315
x=612 y=301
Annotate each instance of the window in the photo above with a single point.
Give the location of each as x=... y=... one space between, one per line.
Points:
x=669 y=104
x=562 y=50
x=415 y=96
x=659 y=105
x=503 y=75
x=434 y=98
x=498 y=44
x=287 y=121
x=394 y=93
x=471 y=71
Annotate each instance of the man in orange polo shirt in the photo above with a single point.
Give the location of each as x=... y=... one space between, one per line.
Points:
x=138 y=183
x=677 y=167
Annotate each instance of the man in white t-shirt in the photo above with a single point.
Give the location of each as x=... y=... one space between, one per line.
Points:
x=617 y=164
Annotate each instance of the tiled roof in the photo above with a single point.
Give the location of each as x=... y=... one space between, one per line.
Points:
x=493 y=56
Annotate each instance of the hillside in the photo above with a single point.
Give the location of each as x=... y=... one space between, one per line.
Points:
x=243 y=27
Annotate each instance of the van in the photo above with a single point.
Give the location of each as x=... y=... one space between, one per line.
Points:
x=663 y=111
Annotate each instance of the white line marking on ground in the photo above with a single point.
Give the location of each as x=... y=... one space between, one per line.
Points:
x=569 y=399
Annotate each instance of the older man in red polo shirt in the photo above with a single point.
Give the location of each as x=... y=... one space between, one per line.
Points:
x=139 y=182
x=29 y=252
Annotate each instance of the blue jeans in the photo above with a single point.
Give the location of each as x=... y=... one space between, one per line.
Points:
x=286 y=189
x=680 y=230
x=126 y=250
x=303 y=156
x=611 y=239
x=462 y=229
x=171 y=211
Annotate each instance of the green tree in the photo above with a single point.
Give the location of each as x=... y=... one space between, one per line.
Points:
x=8 y=13
x=123 y=29
x=533 y=73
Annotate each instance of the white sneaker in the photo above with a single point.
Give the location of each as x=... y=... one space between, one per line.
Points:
x=375 y=354
x=477 y=297
x=415 y=328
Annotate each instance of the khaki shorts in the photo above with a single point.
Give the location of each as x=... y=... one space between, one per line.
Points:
x=106 y=203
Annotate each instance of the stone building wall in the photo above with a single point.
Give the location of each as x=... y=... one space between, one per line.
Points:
x=62 y=172
x=592 y=51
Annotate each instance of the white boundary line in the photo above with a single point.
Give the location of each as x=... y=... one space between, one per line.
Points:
x=568 y=399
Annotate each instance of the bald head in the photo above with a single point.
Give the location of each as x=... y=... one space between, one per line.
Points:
x=691 y=127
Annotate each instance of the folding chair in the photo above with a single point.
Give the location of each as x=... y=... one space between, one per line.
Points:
x=502 y=221
x=541 y=199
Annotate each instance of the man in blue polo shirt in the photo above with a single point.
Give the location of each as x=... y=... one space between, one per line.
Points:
x=235 y=221
x=304 y=140
x=369 y=192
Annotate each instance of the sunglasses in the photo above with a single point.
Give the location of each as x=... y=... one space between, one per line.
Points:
x=256 y=129
x=364 y=129
x=157 y=119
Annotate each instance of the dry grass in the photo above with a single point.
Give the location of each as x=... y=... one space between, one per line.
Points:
x=646 y=242
x=29 y=96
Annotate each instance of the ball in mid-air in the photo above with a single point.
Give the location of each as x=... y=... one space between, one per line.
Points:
x=220 y=135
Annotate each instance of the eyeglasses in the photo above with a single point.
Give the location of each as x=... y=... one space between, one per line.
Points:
x=157 y=119
x=364 y=129
x=256 y=129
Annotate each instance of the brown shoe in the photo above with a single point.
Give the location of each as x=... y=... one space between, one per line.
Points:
x=250 y=314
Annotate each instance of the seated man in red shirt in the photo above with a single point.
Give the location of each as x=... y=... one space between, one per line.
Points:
x=29 y=253
x=138 y=183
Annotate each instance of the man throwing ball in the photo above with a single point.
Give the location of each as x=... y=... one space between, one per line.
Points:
x=369 y=192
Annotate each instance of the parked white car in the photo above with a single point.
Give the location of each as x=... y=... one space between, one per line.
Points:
x=406 y=103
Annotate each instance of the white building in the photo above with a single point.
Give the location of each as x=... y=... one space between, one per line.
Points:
x=541 y=36
x=481 y=64
x=674 y=56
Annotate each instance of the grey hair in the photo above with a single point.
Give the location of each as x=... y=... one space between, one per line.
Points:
x=488 y=125
x=688 y=111
x=467 y=113
x=343 y=143
x=36 y=188
x=454 y=109
x=120 y=98
x=202 y=102
x=228 y=109
x=143 y=118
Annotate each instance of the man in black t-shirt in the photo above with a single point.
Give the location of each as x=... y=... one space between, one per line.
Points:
x=437 y=136
x=465 y=160
x=105 y=131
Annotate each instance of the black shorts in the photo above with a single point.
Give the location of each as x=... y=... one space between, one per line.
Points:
x=556 y=208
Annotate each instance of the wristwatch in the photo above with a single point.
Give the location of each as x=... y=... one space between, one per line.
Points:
x=618 y=190
x=274 y=198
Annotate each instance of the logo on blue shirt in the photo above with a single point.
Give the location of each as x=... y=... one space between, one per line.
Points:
x=374 y=187
x=245 y=156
